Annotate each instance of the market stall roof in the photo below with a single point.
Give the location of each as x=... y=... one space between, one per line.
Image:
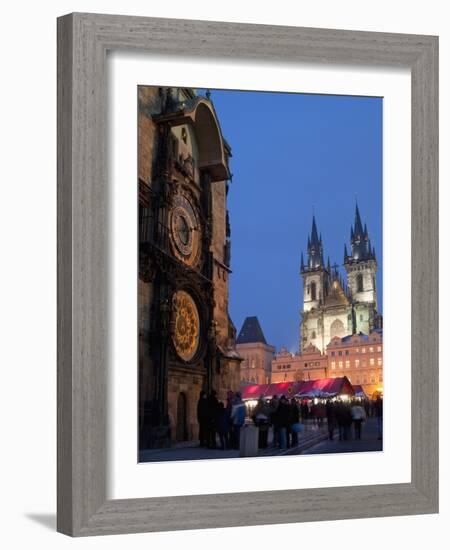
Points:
x=326 y=387
x=322 y=387
x=359 y=392
x=289 y=389
x=253 y=391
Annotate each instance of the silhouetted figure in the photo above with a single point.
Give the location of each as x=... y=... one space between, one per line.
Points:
x=237 y=419
x=358 y=417
x=378 y=409
x=213 y=407
x=282 y=418
x=294 y=421
x=331 y=418
x=202 y=419
x=222 y=426
x=261 y=419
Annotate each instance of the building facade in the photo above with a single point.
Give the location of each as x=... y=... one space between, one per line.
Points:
x=257 y=355
x=359 y=357
x=332 y=307
x=311 y=364
x=186 y=337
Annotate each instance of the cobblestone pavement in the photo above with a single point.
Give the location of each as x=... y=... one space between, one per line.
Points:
x=188 y=451
x=369 y=442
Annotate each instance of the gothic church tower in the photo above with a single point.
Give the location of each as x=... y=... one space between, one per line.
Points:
x=332 y=308
x=361 y=266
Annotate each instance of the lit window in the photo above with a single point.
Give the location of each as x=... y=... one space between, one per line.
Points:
x=379 y=348
x=371 y=350
x=341 y=365
x=347 y=364
x=333 y=364
x=363 y=350
x=372 y=361
x=356 y=362
x=380 y=361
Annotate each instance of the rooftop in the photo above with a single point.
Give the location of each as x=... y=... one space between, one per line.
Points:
x=251 y=332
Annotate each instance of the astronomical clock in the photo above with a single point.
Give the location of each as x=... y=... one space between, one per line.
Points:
x=186 y=338
x=186 y=332
x=185 y=230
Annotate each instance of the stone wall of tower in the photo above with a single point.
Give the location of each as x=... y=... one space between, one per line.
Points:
x=312 y=329
x=331 y=317
x=368 y=272
x=220 y=272
x=315 y=277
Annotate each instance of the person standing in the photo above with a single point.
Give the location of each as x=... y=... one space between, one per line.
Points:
x=274 y=421
x=261 y=419
x=237 y=419
x=294 y=422
x=283 y=417
x=222 y=426
x=202 y=419
x=378 y=409
x=358 y=417
x=213 y=407
x=331 y=419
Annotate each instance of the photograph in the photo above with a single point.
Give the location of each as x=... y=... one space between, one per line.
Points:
x=260 y=273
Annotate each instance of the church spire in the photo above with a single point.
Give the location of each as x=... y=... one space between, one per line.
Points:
x=314 y=250
x=360 y=242
x=314 y=237
x=358 y=230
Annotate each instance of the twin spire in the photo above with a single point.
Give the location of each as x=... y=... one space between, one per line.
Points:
x=361 y=248
x=315 y=249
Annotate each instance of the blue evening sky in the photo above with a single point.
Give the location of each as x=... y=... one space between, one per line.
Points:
x=294 y=154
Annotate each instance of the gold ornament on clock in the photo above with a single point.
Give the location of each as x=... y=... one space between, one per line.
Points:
x=186 y=335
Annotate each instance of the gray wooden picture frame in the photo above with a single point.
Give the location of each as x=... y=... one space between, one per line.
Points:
x=83 y=41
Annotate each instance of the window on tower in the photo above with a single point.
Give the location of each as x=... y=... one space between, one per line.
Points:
x=359 y=283
x=313 y=291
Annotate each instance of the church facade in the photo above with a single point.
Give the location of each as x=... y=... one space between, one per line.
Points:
x=186 y=337
x=333 y=308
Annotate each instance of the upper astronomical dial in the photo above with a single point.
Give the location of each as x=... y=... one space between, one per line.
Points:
x=185 y=230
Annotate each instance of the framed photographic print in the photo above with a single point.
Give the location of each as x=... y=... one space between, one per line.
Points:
x=247 y=274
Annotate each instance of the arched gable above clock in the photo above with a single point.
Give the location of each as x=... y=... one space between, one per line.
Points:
x=199 y=114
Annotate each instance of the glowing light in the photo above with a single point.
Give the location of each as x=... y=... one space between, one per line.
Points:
x=344 y=397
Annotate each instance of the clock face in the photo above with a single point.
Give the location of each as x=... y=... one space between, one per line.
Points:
x=185 y=230
x=186 y=335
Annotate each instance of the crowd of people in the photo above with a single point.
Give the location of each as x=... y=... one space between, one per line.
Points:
x=287 y=417
x=222 y=421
